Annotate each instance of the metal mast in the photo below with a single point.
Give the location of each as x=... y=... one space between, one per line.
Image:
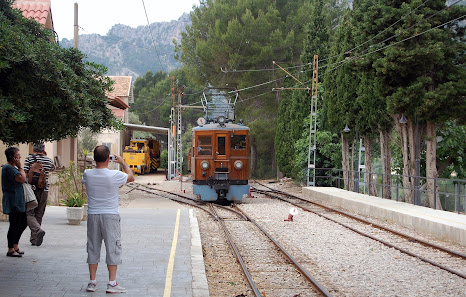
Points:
x=179 y=145
x=171 y=136
x=311 y=167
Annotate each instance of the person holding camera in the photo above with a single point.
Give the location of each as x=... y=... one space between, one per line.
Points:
x=103 y=215
x=41 y=190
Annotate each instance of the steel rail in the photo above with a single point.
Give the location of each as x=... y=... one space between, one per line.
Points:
x=196 y=200
x=462 y=275
x=213 y=213
x=251 y=282
x=240 y=213
x=173 y=199
x=314 y=282
x=408 y=237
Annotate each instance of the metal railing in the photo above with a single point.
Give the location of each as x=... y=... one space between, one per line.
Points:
x=450 y=193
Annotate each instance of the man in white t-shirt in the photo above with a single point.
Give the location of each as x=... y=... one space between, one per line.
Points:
x=103 y=219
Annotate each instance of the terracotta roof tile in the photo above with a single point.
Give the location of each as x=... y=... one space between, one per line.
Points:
x=122 y=86
x=38 y=10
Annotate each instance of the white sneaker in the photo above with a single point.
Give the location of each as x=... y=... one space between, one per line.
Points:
x=91 y=287
x=115 y=289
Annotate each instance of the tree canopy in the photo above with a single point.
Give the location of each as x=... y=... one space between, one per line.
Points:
x=152 y=94
x=233 y=44
x=377 y=60
x=46 y=92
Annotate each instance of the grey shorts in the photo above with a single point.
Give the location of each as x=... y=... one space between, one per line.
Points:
x=104 y=227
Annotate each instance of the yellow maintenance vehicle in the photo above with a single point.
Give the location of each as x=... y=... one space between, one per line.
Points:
x=142 y=155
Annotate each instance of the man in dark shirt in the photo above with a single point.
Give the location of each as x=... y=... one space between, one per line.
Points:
x=34 y=216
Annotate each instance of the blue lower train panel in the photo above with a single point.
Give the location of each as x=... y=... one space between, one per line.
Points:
x=235 y=193
x=207 y=193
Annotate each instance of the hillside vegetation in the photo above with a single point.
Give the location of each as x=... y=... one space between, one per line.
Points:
x=129 y=51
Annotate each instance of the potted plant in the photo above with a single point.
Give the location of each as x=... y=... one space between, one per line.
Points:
x=75 y=209
x=71 y=187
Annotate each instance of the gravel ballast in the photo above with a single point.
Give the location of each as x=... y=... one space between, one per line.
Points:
x=345 y=263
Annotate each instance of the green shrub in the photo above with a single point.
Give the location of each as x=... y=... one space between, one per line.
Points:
x=71 y=187
x=75 y=200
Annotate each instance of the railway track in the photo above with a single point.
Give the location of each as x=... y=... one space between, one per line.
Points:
x=448 y=260
x=273 y=268
x=269 y=269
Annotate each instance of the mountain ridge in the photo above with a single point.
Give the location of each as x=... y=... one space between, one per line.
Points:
x=126 y=50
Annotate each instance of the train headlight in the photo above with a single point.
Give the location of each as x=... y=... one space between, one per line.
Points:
x=221 y=120
x=238 y=165
x=204 y=165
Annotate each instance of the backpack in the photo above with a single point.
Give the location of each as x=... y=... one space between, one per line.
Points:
x=36 y=174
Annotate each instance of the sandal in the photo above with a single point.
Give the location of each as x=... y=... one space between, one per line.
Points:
x=19 y=252
x=13 y=254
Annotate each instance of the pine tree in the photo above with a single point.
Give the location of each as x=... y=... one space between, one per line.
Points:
x=298 y=103
x=228 y=37
x=423 y=75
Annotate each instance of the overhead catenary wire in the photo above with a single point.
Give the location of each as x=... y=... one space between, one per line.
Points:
x=259 y=85
x=364 y=53
x=328 y=58
x=394 y=43
x=425 y=19
x=241 y=100
x=341 y=63
x=162 y=102
x=383 y=41
x=354 y=57
x=252 y=97
x=152 y=36
x=375 y=36
x=349 y=59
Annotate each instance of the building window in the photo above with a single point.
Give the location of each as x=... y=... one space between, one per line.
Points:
x=108 y=144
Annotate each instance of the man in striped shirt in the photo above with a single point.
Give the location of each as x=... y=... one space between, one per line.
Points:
x=34 y=216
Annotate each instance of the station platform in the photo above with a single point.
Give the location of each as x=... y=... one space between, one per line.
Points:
x=440 y=224
x=162 y=256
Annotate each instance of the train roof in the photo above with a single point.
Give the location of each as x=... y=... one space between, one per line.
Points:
x=216 y=126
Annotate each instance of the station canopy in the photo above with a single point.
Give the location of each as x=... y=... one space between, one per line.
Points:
x=150 y=129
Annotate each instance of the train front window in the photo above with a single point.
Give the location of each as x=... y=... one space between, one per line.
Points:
x=221 y=145
x=238 y=142
x=204 y=146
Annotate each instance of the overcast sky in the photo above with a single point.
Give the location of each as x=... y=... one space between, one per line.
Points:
x=98 y=16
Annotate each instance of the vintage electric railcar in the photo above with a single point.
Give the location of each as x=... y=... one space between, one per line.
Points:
x=219 y=160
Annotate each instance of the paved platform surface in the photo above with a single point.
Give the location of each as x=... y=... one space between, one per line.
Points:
x=438 y=223
x=58 y=267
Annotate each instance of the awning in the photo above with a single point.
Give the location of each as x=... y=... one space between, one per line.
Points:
x=150 y=129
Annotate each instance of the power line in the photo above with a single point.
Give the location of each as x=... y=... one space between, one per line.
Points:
x=152 y=36
x=162 y=102
x=431 y=16
x=352 y=58
x=258 y=85
x=402 y=18
x=349 y=51
x=260 y=70
x=343 y=61
x=382 y=42
x=395 y=43
x=252 y=97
